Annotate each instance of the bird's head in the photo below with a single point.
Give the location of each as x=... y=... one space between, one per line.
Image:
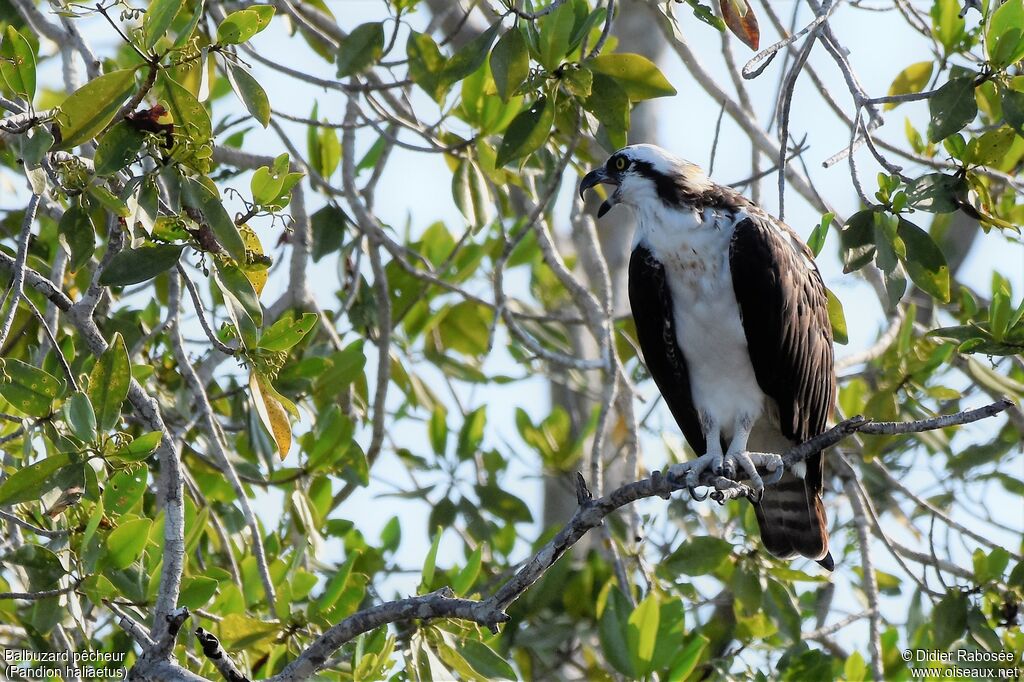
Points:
x=643 y=173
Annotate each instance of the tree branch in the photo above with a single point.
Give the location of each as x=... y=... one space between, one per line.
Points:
x=590 y=513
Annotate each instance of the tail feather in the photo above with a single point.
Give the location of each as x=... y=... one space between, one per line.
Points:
x=792 y=520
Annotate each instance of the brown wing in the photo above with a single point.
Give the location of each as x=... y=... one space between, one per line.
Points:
x=784 y=309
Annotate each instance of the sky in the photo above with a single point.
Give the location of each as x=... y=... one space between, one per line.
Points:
x=415 y=188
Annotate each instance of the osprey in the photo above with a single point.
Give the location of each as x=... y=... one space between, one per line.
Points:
x=731 y=314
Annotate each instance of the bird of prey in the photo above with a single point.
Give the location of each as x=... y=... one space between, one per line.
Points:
x=731 y=314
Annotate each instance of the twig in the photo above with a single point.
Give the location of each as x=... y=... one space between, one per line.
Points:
x=925 y=504
x=759 y=62
x=197 y=303
x=11 y=518
x=869 y=581
x=42 y=594
x=18 y=281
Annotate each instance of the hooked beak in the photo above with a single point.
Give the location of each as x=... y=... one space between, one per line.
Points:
x=596 y=177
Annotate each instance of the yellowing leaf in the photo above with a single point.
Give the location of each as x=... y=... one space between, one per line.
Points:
x=272 y=412
x=912 y=79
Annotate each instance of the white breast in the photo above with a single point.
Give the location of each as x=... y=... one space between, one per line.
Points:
x=694 y=248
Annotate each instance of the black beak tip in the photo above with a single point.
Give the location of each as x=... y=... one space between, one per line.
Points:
x=603 y=208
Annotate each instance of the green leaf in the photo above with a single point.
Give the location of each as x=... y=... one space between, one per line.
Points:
x=29 y=389
x=89 y=109
x=472 y=433
x=855 y=668
x=949 y=619
x=124 y=489
x=425 y=64
x=555 y=34
x=936 y=192
x=1004 y=35
x=158 y=18
x=18 y=63
x=837 y=318
x=816 y=240
x=699 y=555
x=126 y=543
x=328 y=226
x=1013 y=109
x=912 y=79
x=80 y=415
x=32 y=482
x=199 y=196
x=329 y=156
x=948 y=26
x=465 y=328
x=109 y=381
x=197 y=591
x=469 y=189
x=886 y=241
x=193 y=131
x=641 y=633
x=131 y=266
x=857 y=240
x=250 y=92
x=109 y=200
x=952 y=107
x=35 y=142
x=118 y=147
x=991 y=147
x=485 y=661
x=232 y=281
x=613 y=630
x=609 y=103
x=139 y=448
x=924 y=261
x=637 y=74
x=510 y=63
x=467 y=576
x=287 y=332
x=502 y=504
x=470 y=57
x=239 y=27
x=438 y=429
x=362 y=48
x=685 y=663
x=77 y=235
x=527 y=133
x=579 y=80
x=429 y=562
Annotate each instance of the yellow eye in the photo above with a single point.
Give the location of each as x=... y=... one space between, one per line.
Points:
x=621 y=163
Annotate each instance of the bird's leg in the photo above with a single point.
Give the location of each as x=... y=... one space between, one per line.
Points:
x=711 y=459
x=738 y=455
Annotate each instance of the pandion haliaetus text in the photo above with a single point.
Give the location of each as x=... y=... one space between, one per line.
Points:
x=732 y=318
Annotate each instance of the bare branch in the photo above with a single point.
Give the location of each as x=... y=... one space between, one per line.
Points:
x=18 y=282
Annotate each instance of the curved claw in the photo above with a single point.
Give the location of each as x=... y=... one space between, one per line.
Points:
x=755 y=496
x=695 y=496
x=774 y=477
